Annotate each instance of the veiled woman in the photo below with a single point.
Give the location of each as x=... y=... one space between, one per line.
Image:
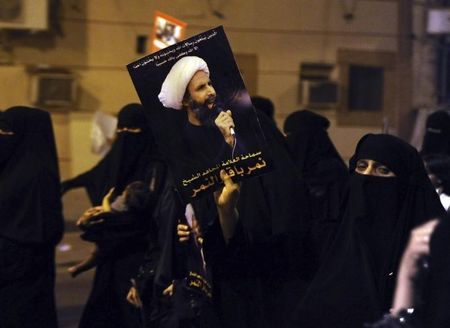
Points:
x=437 y=134
x=389 y=194
x=31 y=221
x=129 y=159
x=123 y=240
x=322 y=169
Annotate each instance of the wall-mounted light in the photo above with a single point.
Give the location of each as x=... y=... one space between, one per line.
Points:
x=216 y=10
x=349 y=9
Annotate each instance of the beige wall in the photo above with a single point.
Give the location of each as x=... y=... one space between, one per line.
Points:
x=100 y=35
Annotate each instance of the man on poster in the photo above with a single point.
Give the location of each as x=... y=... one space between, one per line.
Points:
x=209 y=130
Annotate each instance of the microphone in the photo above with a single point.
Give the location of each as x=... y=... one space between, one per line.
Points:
x=232 y=131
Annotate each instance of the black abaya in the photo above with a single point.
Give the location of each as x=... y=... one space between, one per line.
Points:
x=121 y=245
x=122 y=242
x=31 y=221
x=323 y=171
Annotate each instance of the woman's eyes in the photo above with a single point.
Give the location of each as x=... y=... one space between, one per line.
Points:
x=361 y=165
x=384 y=170
x=375 y=168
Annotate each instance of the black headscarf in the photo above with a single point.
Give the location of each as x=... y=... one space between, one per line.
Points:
x=437 y=134
x=265 y=105
x=127 y=160
x=30 y=200
x=356 y=281
x=313 y=151
x=305 y=119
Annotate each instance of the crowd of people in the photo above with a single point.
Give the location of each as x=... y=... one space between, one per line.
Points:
x=312 y=243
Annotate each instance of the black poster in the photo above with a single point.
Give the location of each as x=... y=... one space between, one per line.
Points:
x=201 y=112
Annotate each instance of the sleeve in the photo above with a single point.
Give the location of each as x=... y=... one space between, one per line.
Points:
x=79 y=181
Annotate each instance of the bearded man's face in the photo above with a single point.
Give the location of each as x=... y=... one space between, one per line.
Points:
x=202 y=98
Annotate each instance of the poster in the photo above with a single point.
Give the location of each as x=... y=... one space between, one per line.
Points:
x=186 y=124
x=167 y=31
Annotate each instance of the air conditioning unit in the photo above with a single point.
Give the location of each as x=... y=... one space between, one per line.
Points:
x=319 y=94
x=24 y=14
x=438 y=21
x=57 y=90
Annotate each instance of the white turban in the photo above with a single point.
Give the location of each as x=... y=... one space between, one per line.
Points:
x=175 y=84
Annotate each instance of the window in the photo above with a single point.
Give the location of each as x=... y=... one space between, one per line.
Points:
x=366 y=87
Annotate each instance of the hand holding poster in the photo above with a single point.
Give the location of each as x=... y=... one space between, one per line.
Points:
x=201 y=112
